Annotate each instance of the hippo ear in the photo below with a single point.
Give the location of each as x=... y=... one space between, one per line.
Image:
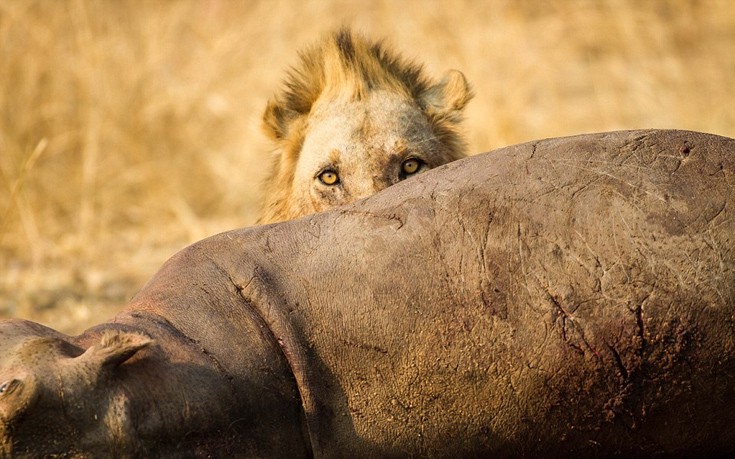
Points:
x=115 y=348
x=448 y=97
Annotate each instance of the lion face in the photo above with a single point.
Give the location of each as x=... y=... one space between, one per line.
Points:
x=354 y=118
x=353 y=149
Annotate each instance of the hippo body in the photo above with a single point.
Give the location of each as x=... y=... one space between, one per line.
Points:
x=566 y=296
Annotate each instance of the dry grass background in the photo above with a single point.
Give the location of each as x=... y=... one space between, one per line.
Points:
x=129 y=129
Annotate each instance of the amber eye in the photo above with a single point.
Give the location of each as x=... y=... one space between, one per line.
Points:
x=8 y=386
x=411 y=166
x=329 y=177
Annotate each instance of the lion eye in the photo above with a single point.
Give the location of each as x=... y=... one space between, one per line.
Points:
x=329 y=177
x=8 y=386
x=411 y=166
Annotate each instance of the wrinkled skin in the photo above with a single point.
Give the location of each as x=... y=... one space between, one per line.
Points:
x=567 y=296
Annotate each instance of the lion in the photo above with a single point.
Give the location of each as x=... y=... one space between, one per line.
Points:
x=352 y=119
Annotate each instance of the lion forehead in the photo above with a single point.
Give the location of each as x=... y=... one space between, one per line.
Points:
x=380 y=122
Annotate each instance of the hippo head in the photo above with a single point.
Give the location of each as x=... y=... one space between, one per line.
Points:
x=49 y=384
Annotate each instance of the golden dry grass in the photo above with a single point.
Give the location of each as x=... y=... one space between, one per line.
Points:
x=129 y=129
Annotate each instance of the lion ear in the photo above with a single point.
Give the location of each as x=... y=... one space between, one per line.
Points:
x=274 y=121
x=449 y=96
x=113 y=349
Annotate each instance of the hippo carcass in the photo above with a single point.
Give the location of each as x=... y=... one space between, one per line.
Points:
x=572 y=295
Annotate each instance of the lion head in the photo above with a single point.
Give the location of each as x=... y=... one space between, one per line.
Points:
x=352 y=119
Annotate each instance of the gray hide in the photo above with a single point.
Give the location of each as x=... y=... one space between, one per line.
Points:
x=566 y=296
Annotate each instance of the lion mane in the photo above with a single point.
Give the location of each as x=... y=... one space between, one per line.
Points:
x=350 y=65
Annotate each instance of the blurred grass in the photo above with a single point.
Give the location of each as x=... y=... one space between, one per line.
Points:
x=129 y=129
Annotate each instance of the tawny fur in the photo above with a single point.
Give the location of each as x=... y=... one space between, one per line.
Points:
x=348 y=67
